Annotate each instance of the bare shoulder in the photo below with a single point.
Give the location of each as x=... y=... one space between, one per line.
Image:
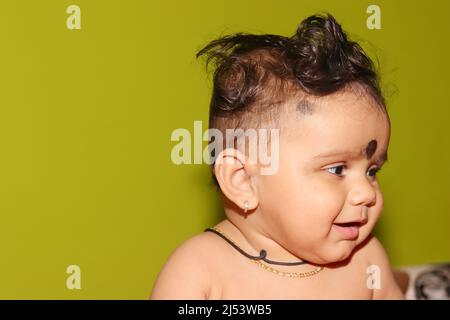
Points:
x=379 y=270
x=187 y=272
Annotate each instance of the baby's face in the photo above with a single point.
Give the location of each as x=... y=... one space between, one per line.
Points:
x=325 y=198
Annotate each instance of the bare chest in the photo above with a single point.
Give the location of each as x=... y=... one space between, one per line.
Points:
x=242 y=279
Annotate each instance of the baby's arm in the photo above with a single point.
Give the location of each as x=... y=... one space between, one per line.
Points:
x=183 y=277
x=377 y=256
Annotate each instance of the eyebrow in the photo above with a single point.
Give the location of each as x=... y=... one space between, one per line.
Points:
x=352 y=154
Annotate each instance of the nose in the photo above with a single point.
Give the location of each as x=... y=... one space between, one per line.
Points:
x=362 y=193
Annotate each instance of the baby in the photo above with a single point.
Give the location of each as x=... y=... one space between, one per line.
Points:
x=302 y=231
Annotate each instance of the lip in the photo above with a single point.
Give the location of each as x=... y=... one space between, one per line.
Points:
x=348 y=232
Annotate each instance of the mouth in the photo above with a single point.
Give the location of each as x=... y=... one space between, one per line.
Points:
x=348 y=230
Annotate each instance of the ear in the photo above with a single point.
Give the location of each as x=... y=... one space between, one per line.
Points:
x=237 y=178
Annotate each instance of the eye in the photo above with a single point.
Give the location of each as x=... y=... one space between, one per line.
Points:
x=337 y=170
x=373 y=171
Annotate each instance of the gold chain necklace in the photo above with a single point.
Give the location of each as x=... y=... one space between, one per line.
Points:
x=273 y=270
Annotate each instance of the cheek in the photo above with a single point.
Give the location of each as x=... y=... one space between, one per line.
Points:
x=326 y=198
x=300 y=204
x=320 y=204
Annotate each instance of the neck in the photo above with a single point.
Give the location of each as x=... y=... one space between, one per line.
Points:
x=251 y=236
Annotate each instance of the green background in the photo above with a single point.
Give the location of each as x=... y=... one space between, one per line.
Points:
x=86 y=118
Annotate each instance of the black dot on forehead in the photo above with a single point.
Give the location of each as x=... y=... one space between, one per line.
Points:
x=371 y=148
x=305 y=107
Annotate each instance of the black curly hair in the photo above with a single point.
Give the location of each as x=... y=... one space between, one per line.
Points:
x=256 y=74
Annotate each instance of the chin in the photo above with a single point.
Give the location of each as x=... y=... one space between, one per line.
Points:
x=340 y=252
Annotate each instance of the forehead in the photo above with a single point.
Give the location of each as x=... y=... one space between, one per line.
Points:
x=345 y=123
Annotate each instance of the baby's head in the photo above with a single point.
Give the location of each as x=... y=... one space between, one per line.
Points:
x=321 y=91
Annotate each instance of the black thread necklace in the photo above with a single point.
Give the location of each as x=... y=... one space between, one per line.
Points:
x=262 y=253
